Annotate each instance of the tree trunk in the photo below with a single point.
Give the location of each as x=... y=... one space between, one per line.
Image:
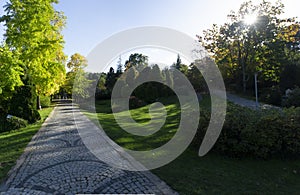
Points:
x=244 y=77
x=38 y=103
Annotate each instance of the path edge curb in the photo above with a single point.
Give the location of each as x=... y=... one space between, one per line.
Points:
x=14 y=170
x=162 y=185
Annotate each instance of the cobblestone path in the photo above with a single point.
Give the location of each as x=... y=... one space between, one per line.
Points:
x=57 y=162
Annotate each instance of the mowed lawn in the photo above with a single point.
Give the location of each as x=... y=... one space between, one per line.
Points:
x=13 y=143
x=211 y=174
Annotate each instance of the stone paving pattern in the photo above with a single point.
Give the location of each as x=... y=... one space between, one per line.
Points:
x=57 y=162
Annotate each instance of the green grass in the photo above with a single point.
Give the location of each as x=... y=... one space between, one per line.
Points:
x=212 y=174
x=142 y=116
x=13 y=143
x=215 y=174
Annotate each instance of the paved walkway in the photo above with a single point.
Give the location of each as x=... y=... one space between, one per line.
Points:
x=248 y=103
x=57 y=162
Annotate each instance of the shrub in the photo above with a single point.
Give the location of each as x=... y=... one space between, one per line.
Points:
x=23 y=104
x=45 y=101
x=262 y=136
x=258 y=134
x=293 y=98
x=291 y=133
x=272 y=96
x=135 y=102
x=8 y=124
x=231 y=141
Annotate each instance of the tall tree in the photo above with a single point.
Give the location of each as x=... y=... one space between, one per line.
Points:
x=77 y=82
x=119 y=67
x=111 y=79
x=177 y=65
x=33 y=31
x=10 y=79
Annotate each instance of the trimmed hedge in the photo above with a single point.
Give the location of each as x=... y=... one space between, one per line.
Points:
x=260 y=134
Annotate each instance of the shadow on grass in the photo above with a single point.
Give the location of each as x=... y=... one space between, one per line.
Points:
x=211 y=174
x=12 y=144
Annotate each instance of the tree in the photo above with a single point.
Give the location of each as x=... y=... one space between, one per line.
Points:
x=33 y=32
x=77 y=82
x=11 y=73
x=111 y=79
x=77 y=62
x=196 y=78
x=240 y=49
x=177 y=65
x=119 y=67
x=139 y=61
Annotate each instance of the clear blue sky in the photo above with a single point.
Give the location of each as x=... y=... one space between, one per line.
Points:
x=91 y=21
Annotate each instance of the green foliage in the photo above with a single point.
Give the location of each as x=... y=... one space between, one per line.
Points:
x=8 y=124
x=139 y=61
x=23 y=104
x=241 y=49
x=293 y=99
x=191 y=174
x=13 y=143
x=271 y=95
x=34 y=35
x=135 y=102
x=77 y=62
x=10 y=71
x=77 y=82
x=32 y=55
x=258 y=134
x=290 y=77
x=110 y=80
x=45 y=101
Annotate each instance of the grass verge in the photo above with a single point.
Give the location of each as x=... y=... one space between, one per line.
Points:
x=212 y=174
x=13 y=143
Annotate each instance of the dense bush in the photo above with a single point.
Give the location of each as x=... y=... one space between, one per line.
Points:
x=23 y=104
x=135 y=102
x=271 y=96
x=259 y=134
x=293 y=98
x=45 y=101
x=8 y=124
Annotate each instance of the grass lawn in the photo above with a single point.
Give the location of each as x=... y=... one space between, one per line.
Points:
x=190 y=174
x=13 y=143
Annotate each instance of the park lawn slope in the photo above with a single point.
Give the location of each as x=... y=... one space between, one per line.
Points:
x=13 y=143
x=214 y=173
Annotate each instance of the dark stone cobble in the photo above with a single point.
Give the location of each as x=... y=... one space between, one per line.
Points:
x=57 y=162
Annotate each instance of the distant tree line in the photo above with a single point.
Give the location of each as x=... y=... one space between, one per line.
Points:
x=137 y=68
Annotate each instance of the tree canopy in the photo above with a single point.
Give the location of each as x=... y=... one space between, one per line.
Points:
x=31 y=57
x=33 y=33
x=241 y=48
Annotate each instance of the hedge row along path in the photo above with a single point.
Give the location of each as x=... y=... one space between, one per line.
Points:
x=57 y=162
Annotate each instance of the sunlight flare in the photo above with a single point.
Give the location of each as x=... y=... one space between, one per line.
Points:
x=250 y=19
